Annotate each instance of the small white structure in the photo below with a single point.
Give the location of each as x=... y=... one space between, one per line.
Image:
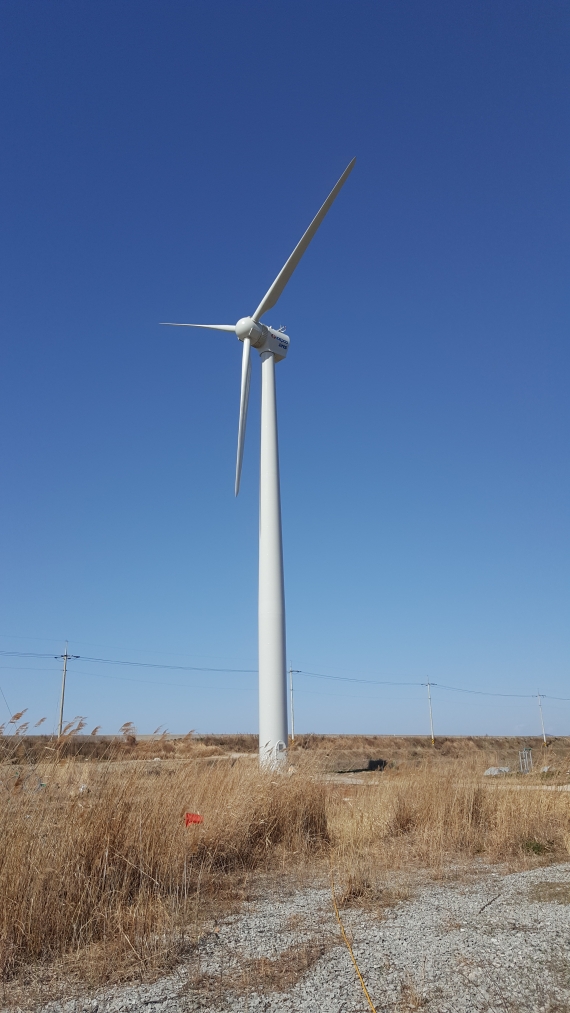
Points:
x=525 y=760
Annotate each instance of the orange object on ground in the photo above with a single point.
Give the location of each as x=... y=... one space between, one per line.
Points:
x=193 y=818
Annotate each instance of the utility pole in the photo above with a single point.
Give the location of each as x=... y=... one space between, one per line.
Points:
x=429 y=685
x=541 y=717
x=292 y=672
x=66 y=657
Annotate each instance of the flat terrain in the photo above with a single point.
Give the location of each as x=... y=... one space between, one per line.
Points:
x=453 y=886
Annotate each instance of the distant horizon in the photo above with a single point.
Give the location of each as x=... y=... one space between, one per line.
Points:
x=149 y=737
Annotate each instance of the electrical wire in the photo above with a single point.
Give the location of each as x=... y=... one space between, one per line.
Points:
x=482 y=692
x=454 y=689
x=135 y=664
x=346 y=678
x=6 y=702
x=123 y=678
x=148 y=682
x=253 y=671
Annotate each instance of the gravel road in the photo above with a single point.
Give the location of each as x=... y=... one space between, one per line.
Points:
x=489 y=943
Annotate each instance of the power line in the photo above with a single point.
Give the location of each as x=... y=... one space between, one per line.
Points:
x=148 y=682
x=454 y=689
x=253 y=671
x=178 y=668
x=482 y=692
x=6 y=702
x=135 y=664
x=124 y=678
x=103 y=647
x=26 y=668
x=346 y=678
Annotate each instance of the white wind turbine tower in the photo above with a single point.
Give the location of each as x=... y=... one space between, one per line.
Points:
x=272 y=346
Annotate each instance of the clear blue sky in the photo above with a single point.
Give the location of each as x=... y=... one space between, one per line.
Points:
x=159 y=161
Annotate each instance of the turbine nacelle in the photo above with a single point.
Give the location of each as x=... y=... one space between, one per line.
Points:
x=263 y=338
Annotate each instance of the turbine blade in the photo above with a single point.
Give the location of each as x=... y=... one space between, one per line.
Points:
x=271 y=297
x=244 y=398
x=208 y=327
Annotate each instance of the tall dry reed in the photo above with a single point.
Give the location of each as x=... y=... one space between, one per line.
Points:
x=96 y=860
x=101 y=853
x=436 y=816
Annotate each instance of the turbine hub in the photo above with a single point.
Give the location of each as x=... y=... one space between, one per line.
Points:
x=247 y=327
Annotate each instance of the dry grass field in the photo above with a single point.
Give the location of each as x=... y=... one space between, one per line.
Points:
x=99 y=872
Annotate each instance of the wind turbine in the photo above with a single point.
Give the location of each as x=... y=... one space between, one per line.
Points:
x=272 y=346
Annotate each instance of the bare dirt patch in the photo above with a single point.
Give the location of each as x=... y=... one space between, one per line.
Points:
x=550 y=893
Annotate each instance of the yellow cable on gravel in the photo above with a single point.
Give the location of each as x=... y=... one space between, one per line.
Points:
x=349 y=948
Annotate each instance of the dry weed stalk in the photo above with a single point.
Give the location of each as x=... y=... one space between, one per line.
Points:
x=100 y=853
x=433 y=817
x=95 y=858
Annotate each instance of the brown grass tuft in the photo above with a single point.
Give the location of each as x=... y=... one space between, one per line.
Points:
x=102 y=855
x=98 y=867
x=558 y=893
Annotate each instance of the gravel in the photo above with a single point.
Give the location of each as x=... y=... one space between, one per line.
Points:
x=481 y=944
